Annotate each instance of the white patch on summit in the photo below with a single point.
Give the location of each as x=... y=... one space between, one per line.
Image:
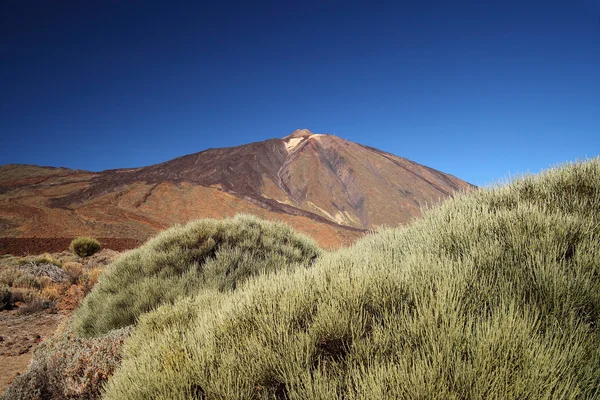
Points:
x=298 y=137
x=292 y=143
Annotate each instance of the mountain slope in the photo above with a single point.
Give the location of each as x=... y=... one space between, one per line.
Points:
x=327 y=187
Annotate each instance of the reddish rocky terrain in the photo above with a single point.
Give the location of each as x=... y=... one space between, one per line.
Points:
x=329 y=188
x=32 y=246
x=29 y=321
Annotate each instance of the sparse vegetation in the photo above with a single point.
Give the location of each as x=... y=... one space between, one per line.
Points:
x=64 y=366
x=85 y=246
x=184 y=260
x=38 y=282
x=68 y=367
x=494 y=294
x=29 y=280
x=18 y=286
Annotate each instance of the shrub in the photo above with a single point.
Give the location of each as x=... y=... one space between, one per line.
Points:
x=50 y=270
x=84 y=246
x=27 y=281
x=89 y=279
x=204 y=254
x=34 y=304
x=9 y=275
x=495 y=294
x=41 y=259
x=22 y=295
x=74 y=270
x=45 y=281
x=50 y=294
x=65 y=366
x=6 y=300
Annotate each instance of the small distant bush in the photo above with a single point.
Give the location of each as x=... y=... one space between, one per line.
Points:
x=84 y=246
x=184 y=260
x=6 y=300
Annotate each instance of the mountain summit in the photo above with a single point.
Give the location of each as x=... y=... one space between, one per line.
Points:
x=328 y=187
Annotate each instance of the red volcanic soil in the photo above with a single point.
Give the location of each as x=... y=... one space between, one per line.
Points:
x=329 y=188
x=26 y=246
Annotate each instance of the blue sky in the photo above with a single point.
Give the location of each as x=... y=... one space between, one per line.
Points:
x=478 y=89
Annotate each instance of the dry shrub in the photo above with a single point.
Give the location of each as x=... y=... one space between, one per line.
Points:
x=67 y=367
x=53 y=271
x=101 y=259
x=27 y=281
x=6 y=298
x=46 y=259
x=21 y=295
x=45 y=281
x=89 y=279
x=74 y=270
x=40 y=259
x=33 y=305
x=9 y=275
x=50 y=293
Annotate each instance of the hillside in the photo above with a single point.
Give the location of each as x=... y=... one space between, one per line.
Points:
x=332 y=189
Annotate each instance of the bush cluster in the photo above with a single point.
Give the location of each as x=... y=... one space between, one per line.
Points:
x=494 y=294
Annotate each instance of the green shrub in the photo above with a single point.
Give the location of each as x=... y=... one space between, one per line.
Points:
x=6 y=300
x=493 y=295
x=204 y=254
x=84 y=246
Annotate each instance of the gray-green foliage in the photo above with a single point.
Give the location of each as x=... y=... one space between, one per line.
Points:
x=84 y=246
x=493 y=295
x=185 y=260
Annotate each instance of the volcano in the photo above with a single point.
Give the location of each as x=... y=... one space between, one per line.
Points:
x=332 y=189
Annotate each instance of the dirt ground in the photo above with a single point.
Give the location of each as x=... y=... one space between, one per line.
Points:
x=19 y=335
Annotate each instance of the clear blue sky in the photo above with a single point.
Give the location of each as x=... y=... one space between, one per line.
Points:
x=478 y=89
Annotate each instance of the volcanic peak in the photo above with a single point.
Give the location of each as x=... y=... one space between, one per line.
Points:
x=299 y=133
x=298 y=137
